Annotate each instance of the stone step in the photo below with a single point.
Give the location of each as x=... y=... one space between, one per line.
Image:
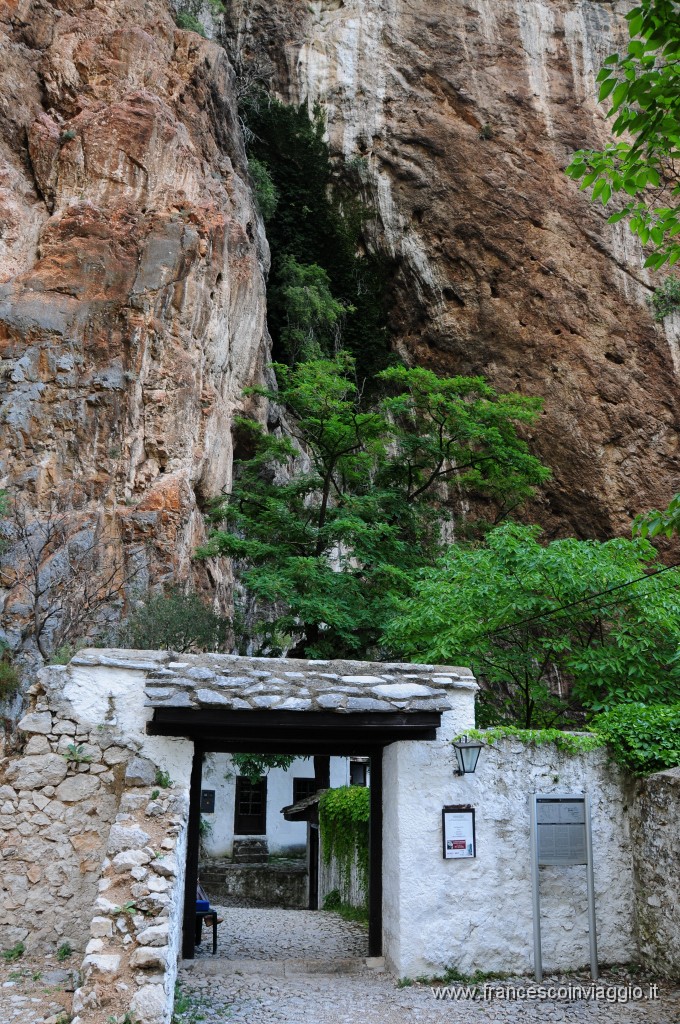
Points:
x=284 y=968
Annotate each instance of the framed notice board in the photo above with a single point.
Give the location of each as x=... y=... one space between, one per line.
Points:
x=458 y=832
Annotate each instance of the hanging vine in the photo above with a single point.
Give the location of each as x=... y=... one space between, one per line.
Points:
x=344 y=815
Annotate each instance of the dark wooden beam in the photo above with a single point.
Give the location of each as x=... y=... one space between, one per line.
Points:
x=193 y=840
x=287 y=721
x=375 y=856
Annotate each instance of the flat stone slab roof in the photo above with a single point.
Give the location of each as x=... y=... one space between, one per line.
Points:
x=234 y=683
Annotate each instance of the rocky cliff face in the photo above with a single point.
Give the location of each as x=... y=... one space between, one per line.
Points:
x=132 y=265
x=458 y=118
x=132 y=259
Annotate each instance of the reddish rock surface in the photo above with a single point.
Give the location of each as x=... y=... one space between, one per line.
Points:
x=459 y=118
x=132 y=261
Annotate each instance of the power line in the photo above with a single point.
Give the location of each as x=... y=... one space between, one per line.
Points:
x=572 y=604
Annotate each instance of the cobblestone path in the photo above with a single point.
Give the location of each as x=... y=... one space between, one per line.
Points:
x=249 y=934
x=217 y=990
x=370 y=998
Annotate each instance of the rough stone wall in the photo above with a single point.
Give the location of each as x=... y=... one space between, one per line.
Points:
x=655 y=828
x=131 y=957
x=456 y=120
x=477 y=914
x=54 y=823
x=132 y=264
x=255 y=885
x=94 y=853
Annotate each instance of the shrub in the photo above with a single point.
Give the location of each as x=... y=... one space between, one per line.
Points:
x=189 y=22
x=266 y=192
x=64 y=952
x=666 y=298
x=175 y=621
x=10 y=680
x=642 y=738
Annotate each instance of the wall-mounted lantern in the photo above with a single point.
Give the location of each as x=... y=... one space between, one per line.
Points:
x=467 y=755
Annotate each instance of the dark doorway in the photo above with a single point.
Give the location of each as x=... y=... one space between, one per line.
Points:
x=250 y=811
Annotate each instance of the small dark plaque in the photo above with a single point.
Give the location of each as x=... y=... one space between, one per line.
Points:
x=207 y=801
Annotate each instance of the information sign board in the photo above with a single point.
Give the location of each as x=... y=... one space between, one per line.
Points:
x=561 y=834
x=458 y=832
x=561 y=827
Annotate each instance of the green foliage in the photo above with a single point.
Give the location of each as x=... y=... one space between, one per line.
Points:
x=643 y=87
x=317 y=224
x=642 y=738
x=163 y=780
x=265 y=190
x=155 y=793
x=655 y=523
x=10 y=680
x=77 y=754
x=526 y=616
x=254 y=766
x=666 y=298
x=569 y=742
x=175 y=621
x=326 y=549
x=64 y=654
x=129 y=908
x=188 y=1009
x=67 y=136
x=312 y=317
x=64 y=952
x=344 y=816
x=14 y=953
x=333 y=901
x=190 y=23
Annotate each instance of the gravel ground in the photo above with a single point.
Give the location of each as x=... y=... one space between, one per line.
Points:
x=257 y=934
x=370 y=998
x=35 y=990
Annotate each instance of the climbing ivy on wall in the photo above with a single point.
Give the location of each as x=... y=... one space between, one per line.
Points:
x=317 y=223
x=344 y=816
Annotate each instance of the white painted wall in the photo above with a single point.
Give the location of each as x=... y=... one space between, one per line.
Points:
x=477 y=914
x=283 y=837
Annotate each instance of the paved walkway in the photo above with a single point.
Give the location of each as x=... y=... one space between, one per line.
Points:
x=222 y=989
x=370 y=998
x=257 y=934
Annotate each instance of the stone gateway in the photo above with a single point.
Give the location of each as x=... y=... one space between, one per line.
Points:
x=98 y=847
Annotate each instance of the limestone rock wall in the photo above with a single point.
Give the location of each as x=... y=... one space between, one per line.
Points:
x=655 y=829
x=132 y=264
x=456 y=120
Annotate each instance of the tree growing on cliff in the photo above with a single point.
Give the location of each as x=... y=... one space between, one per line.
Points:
x=643 y=86
x=326 y=548
x=550 y=630
x=61 y=577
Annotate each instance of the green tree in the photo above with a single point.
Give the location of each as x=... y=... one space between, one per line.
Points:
x=324 y=549
x=537 y=622
x=643 y=86
x=318 y=224
x=313 y=318
x=657 y=523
